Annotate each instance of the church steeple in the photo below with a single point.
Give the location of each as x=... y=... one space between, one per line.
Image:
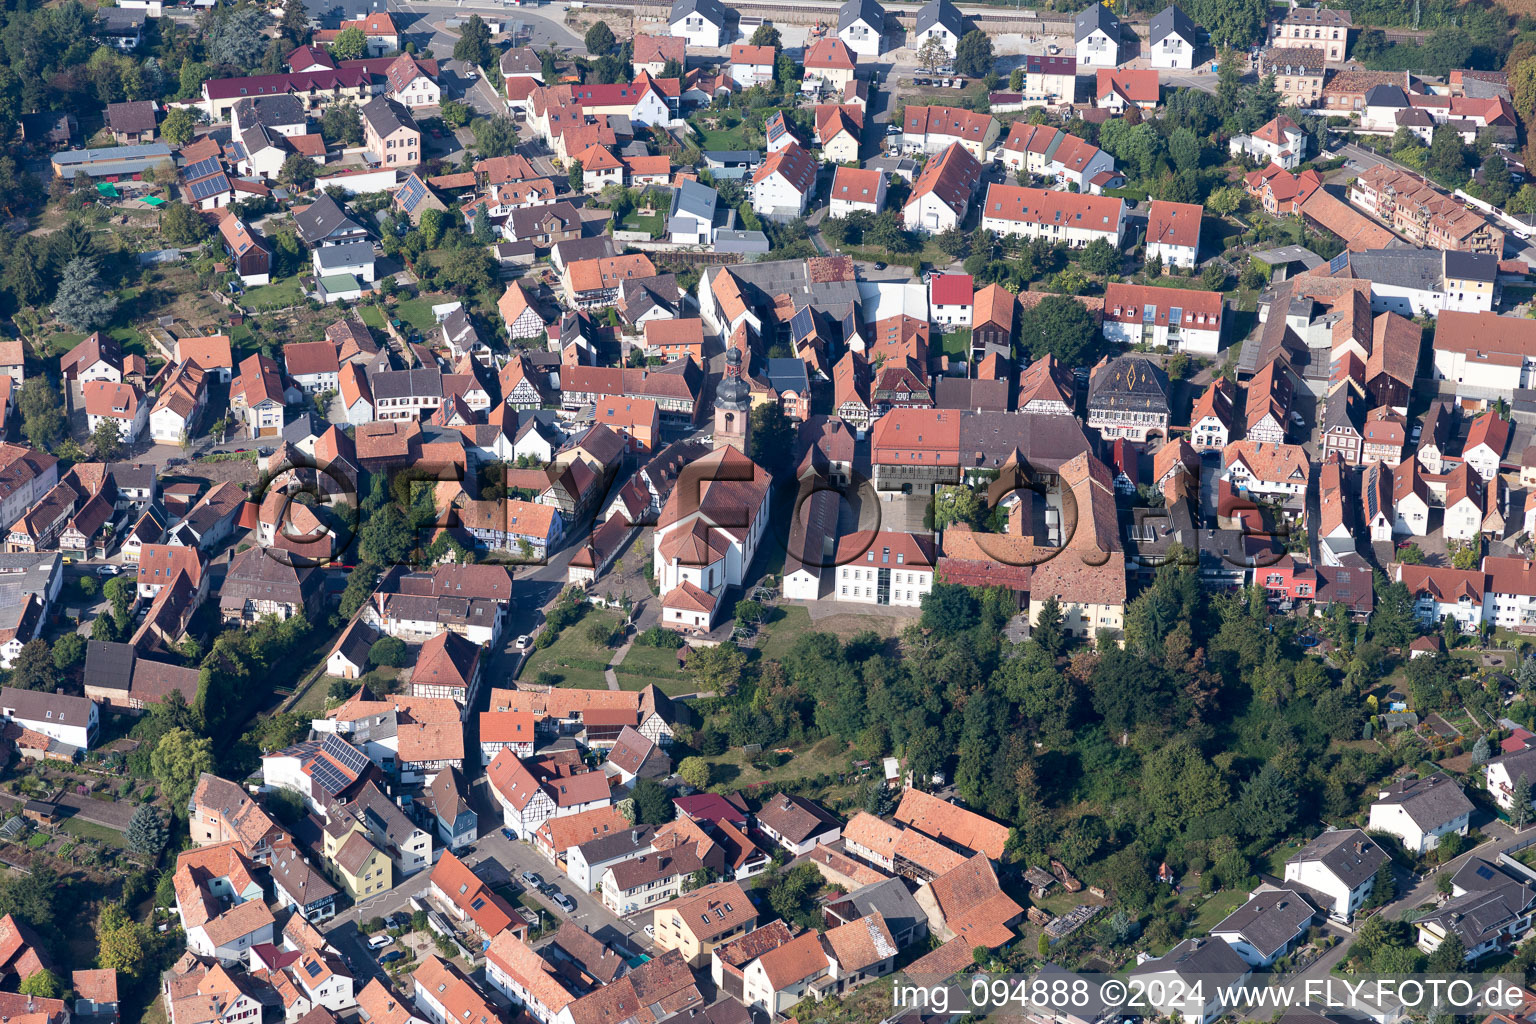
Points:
x=733 y=404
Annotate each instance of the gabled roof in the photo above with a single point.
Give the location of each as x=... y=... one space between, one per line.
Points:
x=1095 y=16
x=1172 y=21
x=940 y=12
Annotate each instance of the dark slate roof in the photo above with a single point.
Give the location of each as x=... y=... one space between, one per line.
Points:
x=1471 y=266
x=1172 y=21
x=712 y=10
x=867 y=11
x=1269 y=920
x=1349 y=854
x=324 y=217
x=1128 y=383
x=271 y=110
x=1095 y=16
x=108 y=665
x=1386 y=96
x=1492 y=901
x=1430 y=801
x=940 y=12
x=1210 y=960
x=387 y=116
x=889 y=898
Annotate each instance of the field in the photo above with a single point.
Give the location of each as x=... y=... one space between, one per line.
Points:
x=574 y=658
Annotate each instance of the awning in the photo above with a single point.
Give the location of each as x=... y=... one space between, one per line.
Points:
x=107 y=189
x=155 y=201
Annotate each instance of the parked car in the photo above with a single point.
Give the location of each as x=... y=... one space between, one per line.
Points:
x=533 y=879
x=523 y=642
x=399 y=919
x=506 y=834
x=564 y=902
x=379 y=941
x=391 y=957
x=107 y=570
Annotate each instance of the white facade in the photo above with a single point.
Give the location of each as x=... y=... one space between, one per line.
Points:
x=907 y=586
x=1464 y=520
x=1206 y=342
x=1394 y=819
x=928 y=214
x=1316 y=875
x=699 y=30
x=777 y=193
x=862 y=38
x=1172 y=255
x=1097 y=50
x=1173 y=52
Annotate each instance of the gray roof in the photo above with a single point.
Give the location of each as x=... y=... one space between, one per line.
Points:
x=1399 y=268
x=406 y=384
x=1342 y=410
x=763 y=282
x=1386 y=96
x=787 y=374
x=116 y=21
x=1493 y=900
x=271 y=110
x=1172 y=21
x=573 y=249
x=867 y=11
x=1210 y=960
x=732 y=156
x=350 y=254
x=1269 y=920
x=108 y=665
x=1349 y=854
x=1471 y=266
x=712 y=10
x=387 y=116
x=323 y=218
x=1128 y=383
x=692 y=197
x=740 y=241
x=38 y=706
x=148 y=155
x=1095 y=16
x=890 y=898
x=988 y=439
x=1431 y=801
x=940 y=12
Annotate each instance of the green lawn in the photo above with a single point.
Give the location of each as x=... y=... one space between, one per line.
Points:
x=574 y=657
x=957 y=344
x=277 y=295
x=782 y=632
x=131 y=340
x=62 y=342
x=651 y=225
x=722 y=137
x=1214 y=909
x=372 y=315
x=418 y=313
x=91 y=830
x=643 y=666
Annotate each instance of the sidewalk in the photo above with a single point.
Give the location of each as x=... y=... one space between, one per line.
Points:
x=618 y=659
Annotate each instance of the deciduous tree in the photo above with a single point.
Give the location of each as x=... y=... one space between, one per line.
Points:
x=350 y=44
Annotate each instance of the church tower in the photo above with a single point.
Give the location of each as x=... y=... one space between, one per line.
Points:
x=733 y=405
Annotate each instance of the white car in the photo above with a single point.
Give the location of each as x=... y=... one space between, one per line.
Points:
x=379 y=941
x=107 y=570
x=650 y=931
x=523 y=642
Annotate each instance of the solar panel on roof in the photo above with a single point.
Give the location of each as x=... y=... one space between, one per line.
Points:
x=1484 y=871
x=1338 y=263
x=209 y=187
x=345 y=753
x=201 y=169
x=803 y=325
x=312 y=968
